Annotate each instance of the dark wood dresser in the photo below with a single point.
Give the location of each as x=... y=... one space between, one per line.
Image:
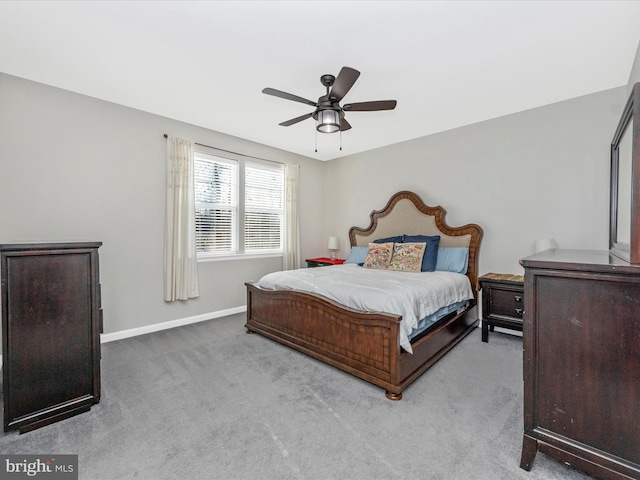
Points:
x=582 y=362
x=51 y=324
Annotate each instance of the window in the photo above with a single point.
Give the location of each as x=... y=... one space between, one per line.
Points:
x=263 y=208
x=239 y=206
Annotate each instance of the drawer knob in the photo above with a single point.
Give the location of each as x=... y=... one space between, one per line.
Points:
x=519 y=312
x=518 y=298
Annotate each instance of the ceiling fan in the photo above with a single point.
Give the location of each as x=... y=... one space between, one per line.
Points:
x=328 y=113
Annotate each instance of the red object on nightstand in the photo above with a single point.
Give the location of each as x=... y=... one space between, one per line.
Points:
x=323 y=261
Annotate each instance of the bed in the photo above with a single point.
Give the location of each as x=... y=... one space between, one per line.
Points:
x=367 y=344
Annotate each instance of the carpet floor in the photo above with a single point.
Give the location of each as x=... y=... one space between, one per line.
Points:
x=208 y=401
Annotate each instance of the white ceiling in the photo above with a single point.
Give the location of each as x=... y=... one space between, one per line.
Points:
x=447 y=64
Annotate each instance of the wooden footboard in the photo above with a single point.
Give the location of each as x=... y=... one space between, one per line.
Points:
x=363 y=344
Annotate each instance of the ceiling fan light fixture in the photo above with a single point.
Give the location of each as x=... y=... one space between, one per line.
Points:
x=328 y=121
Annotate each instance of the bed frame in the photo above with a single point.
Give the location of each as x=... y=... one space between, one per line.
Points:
x=363 y=344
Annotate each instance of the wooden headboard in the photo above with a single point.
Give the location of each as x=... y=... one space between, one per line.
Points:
x=406 y=213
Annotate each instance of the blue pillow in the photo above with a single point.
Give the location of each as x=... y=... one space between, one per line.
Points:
x=357 y=255
x=395 y=239
x=452 y=259
x=431 y=252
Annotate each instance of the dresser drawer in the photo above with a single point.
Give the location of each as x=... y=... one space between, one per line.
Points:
x=507 y=303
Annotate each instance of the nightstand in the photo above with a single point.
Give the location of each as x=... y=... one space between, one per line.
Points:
x=502 y=302
x=323 y=262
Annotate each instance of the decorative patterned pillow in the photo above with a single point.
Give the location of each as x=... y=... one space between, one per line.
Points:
x=407 y=257
x=379 y=256
x=431 y=254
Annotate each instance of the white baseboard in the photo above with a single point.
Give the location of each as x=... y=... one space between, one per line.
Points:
x=156 y=327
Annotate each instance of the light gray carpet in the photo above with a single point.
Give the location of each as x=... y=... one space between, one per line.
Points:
x=208 y=401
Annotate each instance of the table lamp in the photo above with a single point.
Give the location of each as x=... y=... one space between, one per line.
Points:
x=333 y=246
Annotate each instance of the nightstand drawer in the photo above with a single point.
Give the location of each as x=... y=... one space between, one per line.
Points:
x=505 y=303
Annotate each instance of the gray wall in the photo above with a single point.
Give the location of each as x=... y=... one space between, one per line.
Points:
x=77 y=168
x=542 y=173
x=74 y=168
x=536 y=174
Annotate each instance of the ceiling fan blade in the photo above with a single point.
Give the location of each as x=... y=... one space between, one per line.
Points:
x=288 y=96
x=343 y=83
x=296 y=120
x=344 y=125
x=370 y=106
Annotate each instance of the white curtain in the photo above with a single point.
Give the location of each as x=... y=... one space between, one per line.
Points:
x=180 y=261
x=291 y=257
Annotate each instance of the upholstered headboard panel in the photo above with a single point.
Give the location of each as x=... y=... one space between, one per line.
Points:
x=405 y=213
x=405 y=218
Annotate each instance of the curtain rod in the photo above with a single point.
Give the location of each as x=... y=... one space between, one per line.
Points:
x=234 y=153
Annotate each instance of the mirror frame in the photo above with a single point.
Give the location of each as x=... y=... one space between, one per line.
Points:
x=630 y=119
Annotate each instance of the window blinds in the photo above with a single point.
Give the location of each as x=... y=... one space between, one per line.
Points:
x=263 y=217
x=216 y=204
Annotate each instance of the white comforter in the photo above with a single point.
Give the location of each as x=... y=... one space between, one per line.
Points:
x=412 y=295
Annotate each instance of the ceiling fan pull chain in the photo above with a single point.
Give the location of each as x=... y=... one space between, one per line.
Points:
x=341 y=139
x=316 y=141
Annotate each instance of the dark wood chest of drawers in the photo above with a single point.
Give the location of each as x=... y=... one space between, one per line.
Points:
x=51 y=324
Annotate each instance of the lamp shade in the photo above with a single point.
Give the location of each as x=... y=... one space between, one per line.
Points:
x=328 y=121
x=545 y=244
x=334 y=243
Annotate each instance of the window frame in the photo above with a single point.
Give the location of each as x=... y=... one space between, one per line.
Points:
x=241 y=162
